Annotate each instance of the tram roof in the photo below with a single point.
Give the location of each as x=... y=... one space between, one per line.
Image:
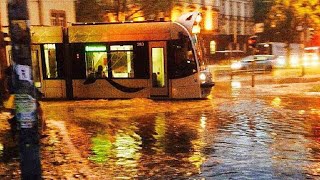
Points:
x=46 y=34
x=142 y=31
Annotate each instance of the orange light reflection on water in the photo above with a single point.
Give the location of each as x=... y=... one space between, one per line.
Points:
x=276 y=102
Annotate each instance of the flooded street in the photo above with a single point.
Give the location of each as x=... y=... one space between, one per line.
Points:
x=236 y=133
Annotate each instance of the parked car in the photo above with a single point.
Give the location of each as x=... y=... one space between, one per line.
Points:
x=262 y=62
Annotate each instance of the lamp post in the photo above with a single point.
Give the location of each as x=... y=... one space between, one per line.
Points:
x=304 y=37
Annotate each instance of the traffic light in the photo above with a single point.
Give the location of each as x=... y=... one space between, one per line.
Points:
x=252 y=41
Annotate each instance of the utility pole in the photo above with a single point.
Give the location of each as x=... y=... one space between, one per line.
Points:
x=305 y=31
x=25 y=94
x=252 y=42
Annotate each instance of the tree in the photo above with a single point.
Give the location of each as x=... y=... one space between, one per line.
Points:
x=287 y=18
x=154 y=7
x=122 y=10
x=261 y=8
x=89 y=11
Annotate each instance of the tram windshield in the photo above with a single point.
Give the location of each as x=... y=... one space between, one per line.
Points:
x=181 y=56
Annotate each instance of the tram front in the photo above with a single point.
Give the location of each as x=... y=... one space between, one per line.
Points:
x=191 y=22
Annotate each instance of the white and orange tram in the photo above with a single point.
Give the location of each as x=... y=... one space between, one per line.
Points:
x=119 y=60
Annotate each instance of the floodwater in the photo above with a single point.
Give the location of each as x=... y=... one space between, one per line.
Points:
x=235 y=134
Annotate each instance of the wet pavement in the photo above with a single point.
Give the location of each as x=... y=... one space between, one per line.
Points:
x=239 y=132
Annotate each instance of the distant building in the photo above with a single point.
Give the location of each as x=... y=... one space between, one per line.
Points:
x=41 y=13
x=225 y=27
x=45 y=12
x=235 y=26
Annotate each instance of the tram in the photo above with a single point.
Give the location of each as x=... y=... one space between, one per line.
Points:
x=120 y=60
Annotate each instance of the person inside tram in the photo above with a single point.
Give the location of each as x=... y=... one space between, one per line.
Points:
x=100 y=73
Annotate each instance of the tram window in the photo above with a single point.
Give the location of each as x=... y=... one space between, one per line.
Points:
x=120 y=60
x=122 y=64
x=50 y=60
x=141 y=61
x=35 y=67
x=96 y=61
x=181 y=58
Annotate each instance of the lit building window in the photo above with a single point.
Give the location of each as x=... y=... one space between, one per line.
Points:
x=212 y=47
x=58 y=18
x=208 y=20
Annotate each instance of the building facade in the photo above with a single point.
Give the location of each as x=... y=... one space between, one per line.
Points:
x=45 y=12
x=236 y=24
x=225 y=27
x=41 y=13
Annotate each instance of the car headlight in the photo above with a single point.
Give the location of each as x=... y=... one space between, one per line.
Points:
x=315 y=58
x=281 y=61
x=236 y=65
x=202 y=77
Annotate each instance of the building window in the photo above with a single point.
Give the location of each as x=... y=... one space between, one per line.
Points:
x=58 y=18
x=36 y=68
x=239 y=9
x=212 y=47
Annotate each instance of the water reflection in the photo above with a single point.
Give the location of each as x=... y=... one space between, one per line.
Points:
x=160 y=132
x=226 y=138
x=203 y=121
x=235 y=88
x=276 y=102
x=163 y=140
x=197 y=158
x=1 y=149
x=127 y=148
x=101 y=148
x=302 y=111
x=235 y=84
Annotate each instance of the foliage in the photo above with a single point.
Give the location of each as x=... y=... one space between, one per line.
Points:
x=261 y=8
x=122 y=10
x=286 y=19
x=155 y=6
x=89 y=11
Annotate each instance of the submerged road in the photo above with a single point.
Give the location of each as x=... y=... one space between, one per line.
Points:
x=238 y=133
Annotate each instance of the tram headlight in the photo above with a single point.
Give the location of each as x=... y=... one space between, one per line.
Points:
x=202 y=77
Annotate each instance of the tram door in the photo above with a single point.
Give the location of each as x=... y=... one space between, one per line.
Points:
x=159 y=77
x=35 y=57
